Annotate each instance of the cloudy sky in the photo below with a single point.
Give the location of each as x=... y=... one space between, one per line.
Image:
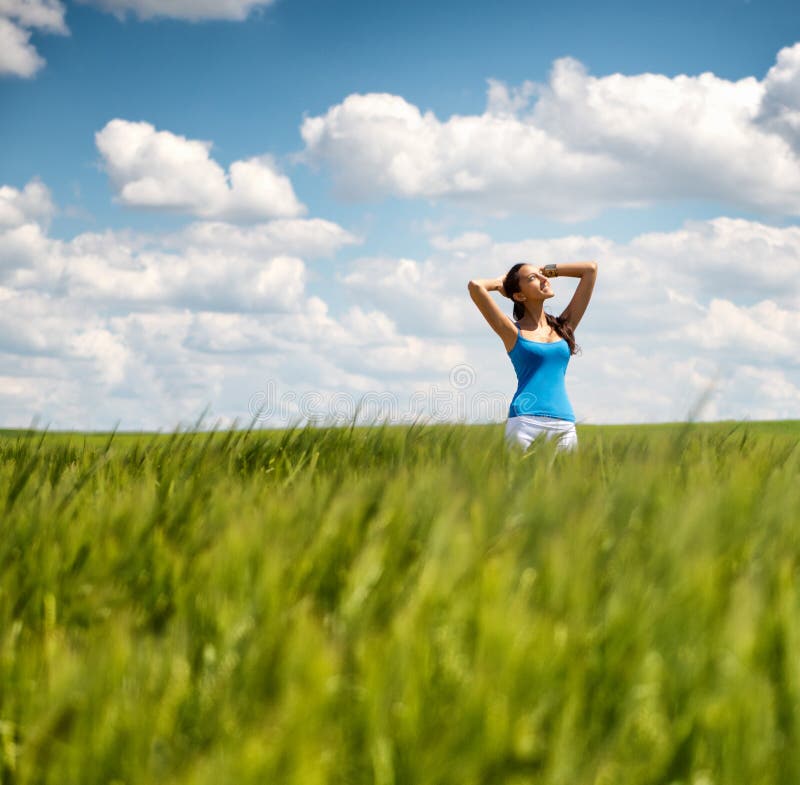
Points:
x=272 y=209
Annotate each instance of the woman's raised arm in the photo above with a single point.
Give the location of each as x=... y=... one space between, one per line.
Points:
x=587 y=272
x=479 y=289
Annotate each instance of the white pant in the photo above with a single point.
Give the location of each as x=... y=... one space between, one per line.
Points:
x=523 y=429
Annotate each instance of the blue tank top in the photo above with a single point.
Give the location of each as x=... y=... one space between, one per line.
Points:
x=540 y=369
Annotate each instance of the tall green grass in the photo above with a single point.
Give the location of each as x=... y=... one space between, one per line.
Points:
x=401 y=606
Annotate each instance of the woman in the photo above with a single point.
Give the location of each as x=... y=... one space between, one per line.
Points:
x=539 y=346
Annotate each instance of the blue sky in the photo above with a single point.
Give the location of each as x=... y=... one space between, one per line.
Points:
x=246 y=86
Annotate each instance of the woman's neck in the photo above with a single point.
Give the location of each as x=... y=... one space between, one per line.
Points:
x=534 y=315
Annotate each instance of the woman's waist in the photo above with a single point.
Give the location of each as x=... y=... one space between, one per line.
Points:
x=530 y=395
x=553 y=406
x=546 y=421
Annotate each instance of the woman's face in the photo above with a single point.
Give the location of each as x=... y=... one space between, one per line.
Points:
x=533 y=285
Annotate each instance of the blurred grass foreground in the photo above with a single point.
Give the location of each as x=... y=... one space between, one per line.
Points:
x=401 y=606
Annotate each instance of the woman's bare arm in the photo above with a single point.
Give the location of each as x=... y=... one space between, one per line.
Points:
x=587 y=272
x=479 y=289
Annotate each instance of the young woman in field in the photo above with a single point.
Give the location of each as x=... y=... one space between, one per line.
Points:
x=541 y=353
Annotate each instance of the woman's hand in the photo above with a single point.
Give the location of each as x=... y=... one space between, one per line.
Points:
x=490 y=284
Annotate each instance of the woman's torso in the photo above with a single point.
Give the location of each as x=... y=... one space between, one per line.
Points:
x=540 y=366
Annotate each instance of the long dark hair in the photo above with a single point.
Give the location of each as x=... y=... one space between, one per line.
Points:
x=511 y=287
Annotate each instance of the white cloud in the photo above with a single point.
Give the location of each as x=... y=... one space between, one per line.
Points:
x=161 y=170
x=21 y=248
x=18 y=18
x=780 y=107
x=732 y=258
x=32 y=203
x=31 y=323
x=673 y=314
x=773 y=388
x=313 y=237
x=464 y=243
x=190 y=10
x=763 y=330
x=44 y=15
x=359 y=342
x=148 y=329
x=418 y=292
x=18 y=57
x=205 y=267
x=585 y=144
x=194 y=280
x=106 y=350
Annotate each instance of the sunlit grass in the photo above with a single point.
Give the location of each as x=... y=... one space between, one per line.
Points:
x=401 y=605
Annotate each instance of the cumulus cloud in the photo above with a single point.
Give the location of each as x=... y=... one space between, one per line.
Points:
x=780 y=106
x=764 y=330
x=214 y=266
x=359 y=341
x=44 y=15
x=733 y=258
x=576 y=145
x=161 y=170
x=32 y=204
x=18 y=57
x=190 y=10
x=422 y=294
x=150 y=328
x=314 y=237
x=714 y=305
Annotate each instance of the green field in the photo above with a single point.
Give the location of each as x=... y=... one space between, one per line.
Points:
x=401 y=606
